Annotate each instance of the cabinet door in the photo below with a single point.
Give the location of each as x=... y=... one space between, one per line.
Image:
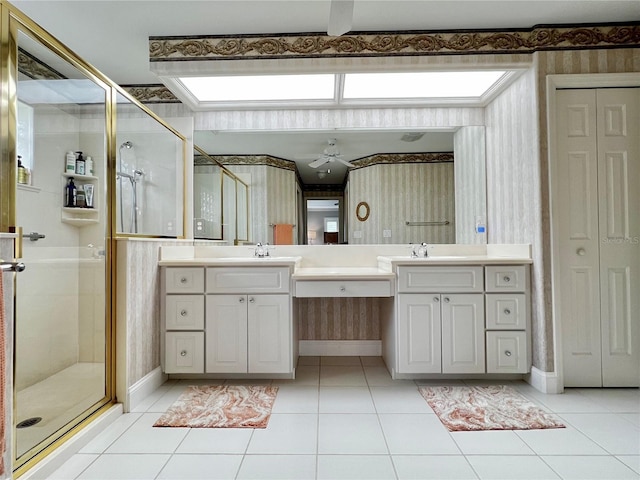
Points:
x=269 y=334
x=462 y=333
x=226 y=335
x=419 y=332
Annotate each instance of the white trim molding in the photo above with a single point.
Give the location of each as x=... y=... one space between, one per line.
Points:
x=545 y=382
x=143 y=388
x=353 y=348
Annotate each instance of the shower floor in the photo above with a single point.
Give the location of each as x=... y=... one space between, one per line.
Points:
x=58 y=400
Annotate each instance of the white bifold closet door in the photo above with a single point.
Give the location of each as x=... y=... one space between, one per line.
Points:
x=598 y=235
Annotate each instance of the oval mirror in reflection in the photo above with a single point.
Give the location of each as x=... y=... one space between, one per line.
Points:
x=362 y=211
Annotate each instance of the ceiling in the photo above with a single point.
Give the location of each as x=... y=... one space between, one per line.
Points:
x=113 y=37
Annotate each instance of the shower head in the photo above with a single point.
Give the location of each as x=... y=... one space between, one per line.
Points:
x=127 y=144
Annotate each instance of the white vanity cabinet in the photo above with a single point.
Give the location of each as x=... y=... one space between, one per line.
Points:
x=440 y=332
x=507 y=313
x=227 y=320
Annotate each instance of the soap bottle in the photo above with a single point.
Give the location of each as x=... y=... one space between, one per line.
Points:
x=22 y=177
x=80 y=164
x=88 y=166
x=80 y=197
x=70 y=166
x=70 y=193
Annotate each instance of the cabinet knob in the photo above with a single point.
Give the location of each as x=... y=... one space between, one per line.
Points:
x=183 y=280
x=446 y=299
x=241 y=299
x=436 y=299
x=252 y=300
x=507 y=311
x=581 y=251
x=183 y=353
x=507 y=278
x=507 y=353
x=183 y=313
x=343 y=288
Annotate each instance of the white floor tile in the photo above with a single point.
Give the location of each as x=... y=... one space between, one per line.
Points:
x=343 y=361
x=570 y=401
x=497 y=467
x=296 y=399
x=248 y=381
x=345 y=400
x=278 y=467
x=380 y=377
x=202 y=467
x=491 y=442
x=355 y=467
x=125 y=467
x=632 y=461
x=559 y=441
x=311 y=360
x=286 y=434
x=154 y=397
x=589 y=468
x=143 y=437
x=72 y=468
x=373 y=362
x=216 y=440
x=101 y=442
x=342 y=376
x=350 y=434
x=305 y=375
x=433 y=467
x=614 y=434
x=430 y=382
x=631 y=417
x=399 y=399
x=415 y=434
x=168 y=399
x=622 y=400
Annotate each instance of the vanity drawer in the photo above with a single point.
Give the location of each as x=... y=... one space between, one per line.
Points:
x=507 y=278
x=345 y=288
x=507 y=352
x=506 y=311
x=184 y=279
x=184 y=352
x=440 y=279
x=184 y=312
x=248 y=280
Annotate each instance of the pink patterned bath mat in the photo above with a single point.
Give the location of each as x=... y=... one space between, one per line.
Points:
x=221 y=406
x=495 y=407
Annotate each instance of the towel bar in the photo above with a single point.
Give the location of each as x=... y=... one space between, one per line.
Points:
x=426 y=224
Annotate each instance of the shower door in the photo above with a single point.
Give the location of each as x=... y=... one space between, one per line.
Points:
x=61 y=367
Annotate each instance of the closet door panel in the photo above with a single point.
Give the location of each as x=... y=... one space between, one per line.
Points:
x=618 y=114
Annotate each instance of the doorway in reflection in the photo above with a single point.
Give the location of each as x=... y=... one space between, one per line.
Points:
x=323 y=221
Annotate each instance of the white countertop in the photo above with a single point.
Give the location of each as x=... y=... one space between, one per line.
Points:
x=388 y=263
x=231 y=262
x=342 y=273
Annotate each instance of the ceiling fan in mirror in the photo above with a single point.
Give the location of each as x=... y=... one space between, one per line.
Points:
x=329 y=155
x=340 y=17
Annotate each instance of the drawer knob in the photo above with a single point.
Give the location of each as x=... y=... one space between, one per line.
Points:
x=241 y=299
x=436 y=299
x=507 y=311
x=507 y=353
x=183 y=280
x=343 y=288
x=183 y=353
x=183 y=313
x=446 y=299
x=581 y=251
x=252 y=300
x=507 y=278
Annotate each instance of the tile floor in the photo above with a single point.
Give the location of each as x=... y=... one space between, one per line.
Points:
x=344 y=418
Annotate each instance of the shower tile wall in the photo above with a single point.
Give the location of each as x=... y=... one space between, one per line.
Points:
x=6 y=252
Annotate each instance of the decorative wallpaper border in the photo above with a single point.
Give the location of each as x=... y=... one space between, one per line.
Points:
x=395 y=158
x=367 y=44
x=247 y=160
x=151 y=93
x=36 y=69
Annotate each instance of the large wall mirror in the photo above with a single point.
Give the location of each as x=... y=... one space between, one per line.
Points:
x=420 y=185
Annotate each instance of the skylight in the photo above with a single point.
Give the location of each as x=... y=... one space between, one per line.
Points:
x=419 y=84
x=261 y=88
x=342 y=89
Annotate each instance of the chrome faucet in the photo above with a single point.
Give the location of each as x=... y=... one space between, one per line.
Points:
x=419 y=250
x=261 y=250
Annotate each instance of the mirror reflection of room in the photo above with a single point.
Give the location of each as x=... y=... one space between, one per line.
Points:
x=323 y=222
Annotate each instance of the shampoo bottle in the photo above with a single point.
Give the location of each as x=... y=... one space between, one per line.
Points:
x=70 y=194
x=88 y=166
x=70 y=163
x=22 y=173
x=80 y=164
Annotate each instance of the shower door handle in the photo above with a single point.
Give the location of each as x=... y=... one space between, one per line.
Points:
x=12 y=266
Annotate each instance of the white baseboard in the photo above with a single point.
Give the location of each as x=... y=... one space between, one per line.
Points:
x=143 y=388
x=46 y=467
x=347 y=348
x=546 y=382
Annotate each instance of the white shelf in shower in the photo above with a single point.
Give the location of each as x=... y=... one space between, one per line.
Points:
x=79 y=210
x=80 y=216
x=79 y=222
x=79 y=177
